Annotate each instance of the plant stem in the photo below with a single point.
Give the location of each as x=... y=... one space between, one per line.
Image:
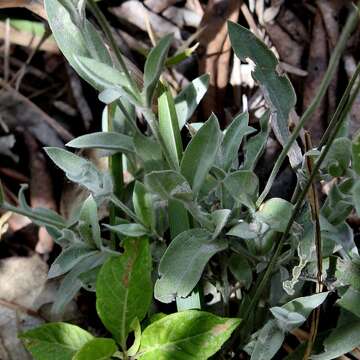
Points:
x=106 y=29
x=299 y=201
x=333 y=64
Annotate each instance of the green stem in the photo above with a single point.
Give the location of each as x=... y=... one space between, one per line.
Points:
x=117 y=202
x=336 y=127
x=333 y=64
x=106 y=29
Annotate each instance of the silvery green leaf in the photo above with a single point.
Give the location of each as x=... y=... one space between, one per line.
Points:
x=73 y=38
x=269 y=341
x=189 y=98
x=71 y=284
x=111 y=94
x=154 y=66
x=230 y=145
x=341 y=340
x=350 y=300
x=294 y=313
x=245 y=230
x=277 y=88
x=81 y=171
x=64 y=237
x=69 y=258
x=143 y=203
x=255 y=146
x=181 y=266
x=169 y=184
x=348 y=272
x=130 y=230
x=200 y=153
x=104 y=140
x=220 y=218
x=276 y=212
x=89 y=223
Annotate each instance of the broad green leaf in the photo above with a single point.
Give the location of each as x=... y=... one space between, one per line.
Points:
x=355 y=153
x=68 y=259
x=350 y=301
x=74 y=39
x=96 y=349
x=234 y=134
x=342 y=340
x=245 y=230
x=148 y=150
x=255 y=146
x=102 y=74
x=153 y=67
x=169 y=127
x=276 y=212
x=58 y=341
x=186 y=335
x=220 y=218
x=168 y=184
x=89 y=223
x=124 y=288
x=241 y=270
x=181 y=266
x=269 y=341
x=200 y=153
x=104 y=140
x=81 y=171
x=71 y=283
x=131 y=230
x=276 y=87
x=242 y=185
x=143 y=205
x=190 y=97
x=294 y=313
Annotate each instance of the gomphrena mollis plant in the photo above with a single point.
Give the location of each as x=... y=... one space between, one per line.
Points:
x=192 y=218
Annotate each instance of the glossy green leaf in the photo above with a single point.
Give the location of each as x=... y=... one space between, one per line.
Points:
x=342 y=340
x=75 y=37
x=277 y=87
x=81 y=171
x=255 y=146
x=89 y=224
x=189 y=98
x=96 y=349
x=124 y=288
x=269 y=341
x=276 y=213
x=169 y=127
x=68 y=259
x=168 y=184
x=131 y=230
x=104 y=140
x=200 y=153
x=234 y=134
x=186 y=335
x=184 y=260
x=58 y=341
x=154 y=65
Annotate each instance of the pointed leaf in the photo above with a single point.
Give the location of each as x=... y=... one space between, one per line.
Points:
x=124 y=288
x=153 y=67
x=200 y=154
x=181 y=266
x=186 y=335
x=169 y=127
x=58 y=341
x=131 y=230
x=276 y=87
x=189 y=98
x=96 y=349
x=104 y=140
